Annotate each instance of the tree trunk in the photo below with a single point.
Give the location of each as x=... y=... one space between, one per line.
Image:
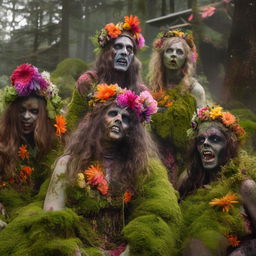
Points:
x=172 y=6
x=64 y=41
x=240 y=79
x=163 y=9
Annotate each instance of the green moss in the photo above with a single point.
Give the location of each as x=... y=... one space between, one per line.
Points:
x=174 y=121
x=210 y=224
x=76 y=109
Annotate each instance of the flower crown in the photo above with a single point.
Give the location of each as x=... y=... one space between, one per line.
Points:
x=131 y=25
x=187 y=36
x=216 y=113
x=27 y=80
x=142 y=105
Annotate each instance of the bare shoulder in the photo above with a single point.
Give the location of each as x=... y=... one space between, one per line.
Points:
x=61 y=164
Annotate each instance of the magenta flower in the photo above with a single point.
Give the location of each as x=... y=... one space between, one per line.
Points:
x=141 y=41
x=26 y=78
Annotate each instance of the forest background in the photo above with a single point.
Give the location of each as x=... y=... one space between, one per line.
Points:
x=54 y=36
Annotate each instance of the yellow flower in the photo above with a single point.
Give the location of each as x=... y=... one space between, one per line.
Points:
x=80 y=180
x=225 y=202
x=216 y=112
x=126 y=26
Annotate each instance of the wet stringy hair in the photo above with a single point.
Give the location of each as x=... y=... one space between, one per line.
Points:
x=197 y=175
x=106 y=73
x=157 y=70
x=11 y=138
x=130 y=157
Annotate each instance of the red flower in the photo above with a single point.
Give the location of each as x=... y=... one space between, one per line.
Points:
x=132 y=23
x=127 y=197
x=25 y=172
x=233 y=241
x=23 y=152
x=60 y=125
x=23 y=74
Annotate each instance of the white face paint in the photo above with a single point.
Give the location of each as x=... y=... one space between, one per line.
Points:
x=211 y=144
x=174 y=56
x=28 y=114
x=117 y=122
x=123 y=53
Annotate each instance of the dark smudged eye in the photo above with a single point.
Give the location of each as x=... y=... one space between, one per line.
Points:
x=118 y=46
x=200 y=140
x=112 y=113
x=180 y=52
x=215 y=138
x=126 y=119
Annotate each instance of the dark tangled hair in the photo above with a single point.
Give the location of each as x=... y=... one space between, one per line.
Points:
x=132 y=153
x=197 y=175
x=11 y=137
x=106 y=73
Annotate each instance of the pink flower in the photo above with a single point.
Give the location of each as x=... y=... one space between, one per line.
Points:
x=191 y=16
x=26 y=78
x=141 y=41
x=208 y=11
x=203 y=113
x=129 y=99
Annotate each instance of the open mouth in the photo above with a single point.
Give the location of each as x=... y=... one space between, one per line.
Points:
x=173 y=62
x=27 y=126
x=115 y=129
x=122 y=62
x=208 y=156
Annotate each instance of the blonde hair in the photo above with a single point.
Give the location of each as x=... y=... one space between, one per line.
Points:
x=157 y=69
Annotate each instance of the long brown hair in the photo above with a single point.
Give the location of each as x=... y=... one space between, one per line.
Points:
x=130 y=158
x=11 y=137
x=197 y=175
x=157 y=70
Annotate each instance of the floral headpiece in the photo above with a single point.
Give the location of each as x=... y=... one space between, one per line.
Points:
x=27 y=80
x=130 y=25
x=216 y=113
x=187 y=36
x=142 y=105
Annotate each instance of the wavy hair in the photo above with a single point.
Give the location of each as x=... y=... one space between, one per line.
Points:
x=11 y=137
x=131 y=155
x=197 y=175
x=157 y=70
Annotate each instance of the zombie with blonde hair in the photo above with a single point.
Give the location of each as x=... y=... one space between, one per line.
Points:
x=178 y=93
x=27 y=134
x=218 y=190
x=116 y=46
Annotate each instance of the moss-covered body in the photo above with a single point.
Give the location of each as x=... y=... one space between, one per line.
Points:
x=211 y=224
x=17 y=193
x=151 y=223
x=171 y=123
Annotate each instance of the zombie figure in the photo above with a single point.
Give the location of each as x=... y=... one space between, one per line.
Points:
x=178 y=93
x=218 y=191
x=117 y=45
x=27 y=134
x=110 y=174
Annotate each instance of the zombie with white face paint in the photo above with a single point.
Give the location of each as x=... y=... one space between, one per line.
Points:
x=27 y=135
x=218 y=190
x=105 y=163
x=116 y=62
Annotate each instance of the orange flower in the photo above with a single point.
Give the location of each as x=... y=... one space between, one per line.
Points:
x=104 y=91
x=25 y=172
x=95 y=177
x=127 y=197
x=225 y=202
x=238 y=130
x=228 y=118
x=23 y=152
x=113 y=30
x=233 y=241
x=60 y=125
x=132 y=23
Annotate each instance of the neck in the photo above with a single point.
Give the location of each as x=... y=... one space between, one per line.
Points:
x=173 y=77
x=29 y=139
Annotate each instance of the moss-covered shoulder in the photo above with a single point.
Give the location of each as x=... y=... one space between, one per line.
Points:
x=154 y=223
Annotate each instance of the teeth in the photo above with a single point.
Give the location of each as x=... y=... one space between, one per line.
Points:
x=115 y=129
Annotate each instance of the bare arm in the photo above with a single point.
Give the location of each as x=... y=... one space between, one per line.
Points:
x=199 y=94
x=55 y=197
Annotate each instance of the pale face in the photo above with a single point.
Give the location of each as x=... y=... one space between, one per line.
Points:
x=117 y=122
x=28 y=115
x=123 y=53
x=174 y=57
x=211 y=144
